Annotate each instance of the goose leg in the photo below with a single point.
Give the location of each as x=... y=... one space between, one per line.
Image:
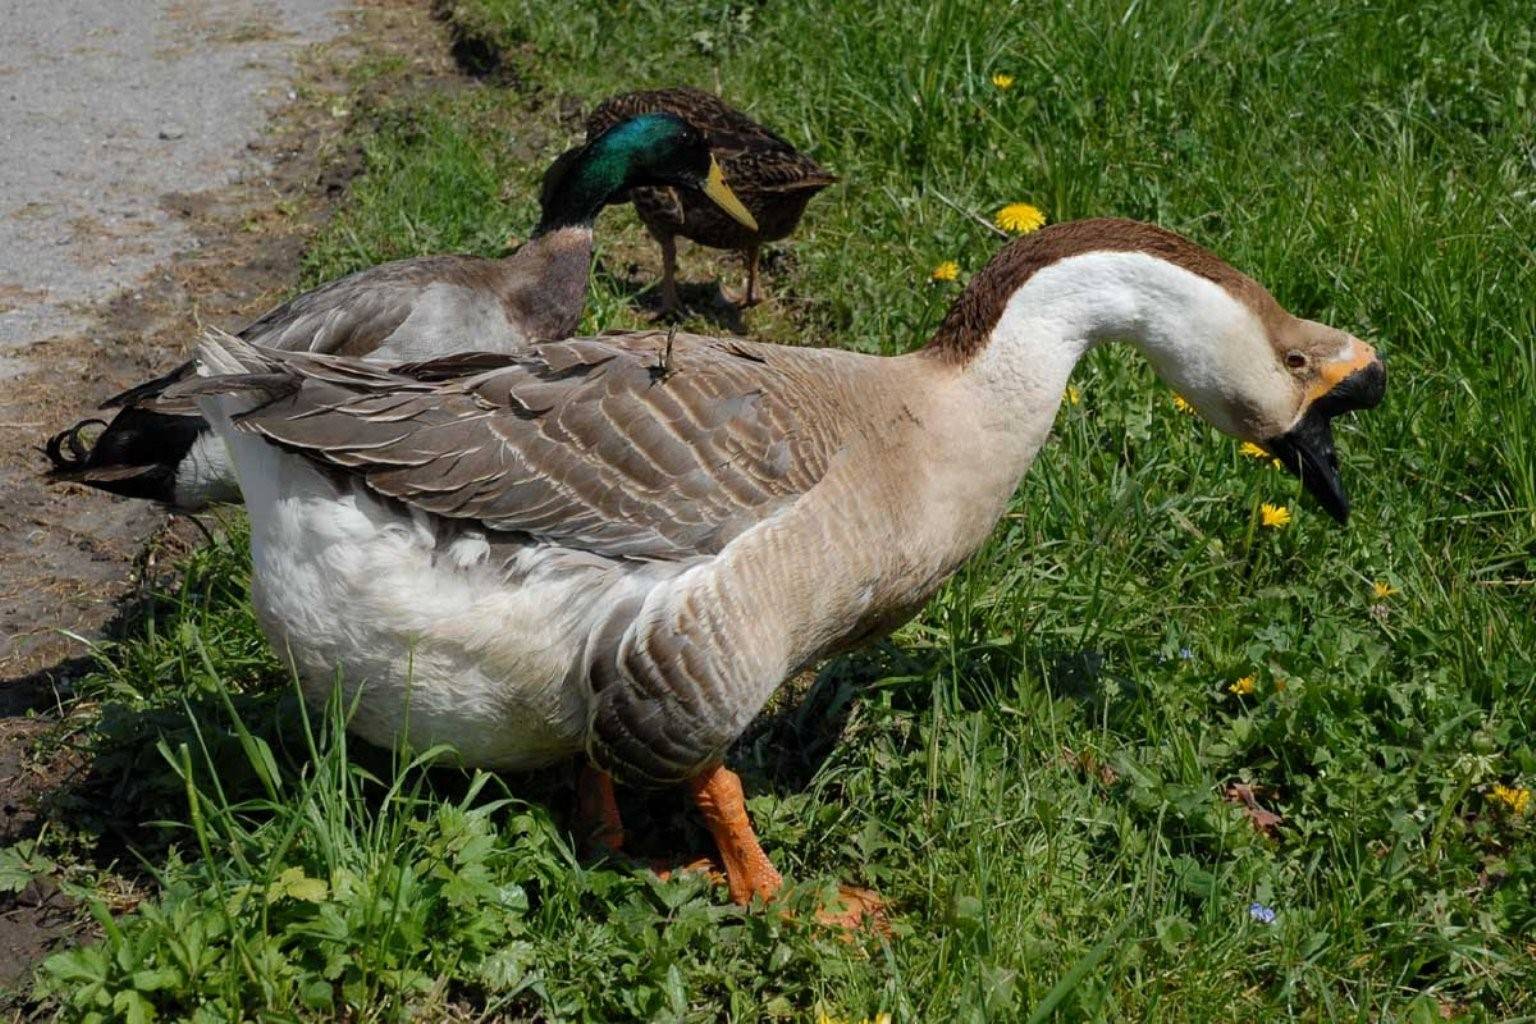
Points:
x=597 y=811
x=668 y=273
x=748 y=872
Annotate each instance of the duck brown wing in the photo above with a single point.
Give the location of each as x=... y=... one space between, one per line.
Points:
x=765 y=171
x=612 y=445
x=755 y=159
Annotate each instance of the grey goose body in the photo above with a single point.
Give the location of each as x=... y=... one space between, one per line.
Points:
x=406 y=310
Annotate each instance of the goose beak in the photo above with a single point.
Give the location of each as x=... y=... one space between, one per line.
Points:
x=1357 y=381
x=716 y=188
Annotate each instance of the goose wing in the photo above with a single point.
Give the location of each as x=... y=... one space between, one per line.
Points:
x=357 y=314
x=353 y=315
x=642 y=446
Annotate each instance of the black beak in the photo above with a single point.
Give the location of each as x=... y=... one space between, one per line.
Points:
x=1307 y=448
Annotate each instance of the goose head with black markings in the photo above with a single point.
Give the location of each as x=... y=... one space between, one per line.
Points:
x=1247 y=365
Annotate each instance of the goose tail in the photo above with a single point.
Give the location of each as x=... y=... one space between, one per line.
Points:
x=139 y=454
x=227 y=365
x=156 y=447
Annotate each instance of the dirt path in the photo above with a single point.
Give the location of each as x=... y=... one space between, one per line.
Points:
x=107 y=107
x=166 y=163
x=136 y=137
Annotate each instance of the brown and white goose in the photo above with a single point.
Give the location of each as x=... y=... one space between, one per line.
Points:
x=410 y=309
x=620 y=546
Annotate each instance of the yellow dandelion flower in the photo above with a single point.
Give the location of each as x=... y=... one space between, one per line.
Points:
x=1020 y=218
x=1516 y=798
x=1074 y=396
x=1002 y=81
x=1244 y=686
x=949 y=270
x=1274 y=516
x=1252 y=450
x=1381 y=590
x=1182 y=404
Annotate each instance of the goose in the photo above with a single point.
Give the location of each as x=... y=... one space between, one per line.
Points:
x=408 y=310
x=618 y=547
x=774 y=180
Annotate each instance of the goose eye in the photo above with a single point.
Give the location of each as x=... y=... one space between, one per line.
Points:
x=1296 y=360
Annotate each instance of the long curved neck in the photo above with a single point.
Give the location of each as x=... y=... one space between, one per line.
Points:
x=1180 y=320
x=577 y=187
x=543 y=285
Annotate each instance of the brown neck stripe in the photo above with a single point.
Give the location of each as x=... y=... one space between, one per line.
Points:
x=969 y=322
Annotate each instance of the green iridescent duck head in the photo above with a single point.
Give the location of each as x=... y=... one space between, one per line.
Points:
x=651 y=149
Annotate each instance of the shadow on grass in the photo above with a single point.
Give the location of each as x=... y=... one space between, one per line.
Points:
x=706 y=301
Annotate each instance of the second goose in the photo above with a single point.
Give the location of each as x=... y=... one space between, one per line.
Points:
x=411 y=309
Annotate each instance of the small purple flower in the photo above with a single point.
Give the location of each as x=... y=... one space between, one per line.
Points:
x=1259 y=912
x=1185 y=654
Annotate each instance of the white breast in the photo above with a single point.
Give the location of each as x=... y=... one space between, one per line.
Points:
x=441 y=646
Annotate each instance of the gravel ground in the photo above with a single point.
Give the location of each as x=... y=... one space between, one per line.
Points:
x=105 y=108
x=144 y=185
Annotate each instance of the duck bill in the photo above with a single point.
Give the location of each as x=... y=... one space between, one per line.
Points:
x=1307 y=449
x=716 y=188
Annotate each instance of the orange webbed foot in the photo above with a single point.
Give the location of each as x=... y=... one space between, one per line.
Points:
x=749 y=873
x=855 y=910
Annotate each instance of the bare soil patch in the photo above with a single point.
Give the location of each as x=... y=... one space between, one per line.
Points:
x=74 y=563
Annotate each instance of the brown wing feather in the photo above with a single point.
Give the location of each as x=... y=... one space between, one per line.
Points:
x=592 y=443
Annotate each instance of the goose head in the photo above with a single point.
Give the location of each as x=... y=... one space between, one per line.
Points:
x=1260 y=374
x=1247 y=365
x=655 y=149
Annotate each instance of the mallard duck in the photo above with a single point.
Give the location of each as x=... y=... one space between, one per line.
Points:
x=618 y=547
x=410 y=309
x=773 y=179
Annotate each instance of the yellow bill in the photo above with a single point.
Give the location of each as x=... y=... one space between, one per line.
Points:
x=716 y=188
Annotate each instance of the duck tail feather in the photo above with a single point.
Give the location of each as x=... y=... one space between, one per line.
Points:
x=137 y=455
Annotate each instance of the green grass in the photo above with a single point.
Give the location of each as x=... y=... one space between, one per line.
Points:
x=1031 y=772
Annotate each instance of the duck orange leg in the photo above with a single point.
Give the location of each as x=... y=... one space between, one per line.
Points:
x=597 y=811
x=748 y=872
x=748 y=297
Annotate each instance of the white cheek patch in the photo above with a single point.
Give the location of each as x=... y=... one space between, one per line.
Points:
x=205 y=475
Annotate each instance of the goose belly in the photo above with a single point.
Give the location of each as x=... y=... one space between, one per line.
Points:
x=427 y=640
